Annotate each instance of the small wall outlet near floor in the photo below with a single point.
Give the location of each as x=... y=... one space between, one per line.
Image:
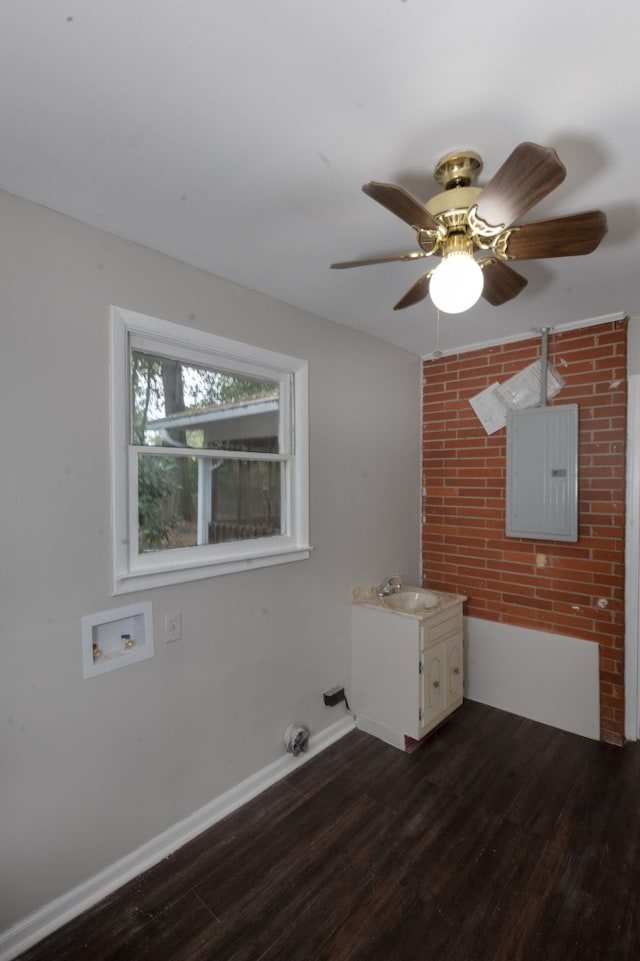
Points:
x=173 y=626
x=334 y=696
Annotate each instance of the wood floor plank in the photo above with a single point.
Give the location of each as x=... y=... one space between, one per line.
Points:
x=374 y=917
x=591 y=910
x=210 y=851
x=604 y=812
x=479 y=894
x=306 y=859
x=98 y=932
x=551 y=794
x=417 y=935
x=180 y=933
x=307 y=893
x=498 y=839
x=352 y=766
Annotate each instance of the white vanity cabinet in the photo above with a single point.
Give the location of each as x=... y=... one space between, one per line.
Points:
x=407 y=668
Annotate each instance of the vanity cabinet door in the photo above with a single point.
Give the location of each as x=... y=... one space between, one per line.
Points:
x=455 y=666
x=434 y=684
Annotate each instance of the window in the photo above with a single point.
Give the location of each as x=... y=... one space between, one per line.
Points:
x=210 y=454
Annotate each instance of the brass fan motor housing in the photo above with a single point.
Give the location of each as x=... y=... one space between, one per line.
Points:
x=450 y=208
x=458 y=169
x=454 y=207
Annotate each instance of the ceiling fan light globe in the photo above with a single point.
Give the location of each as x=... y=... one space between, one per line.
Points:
x=456 y=284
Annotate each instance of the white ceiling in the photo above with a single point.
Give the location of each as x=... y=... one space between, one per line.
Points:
x=235 y=135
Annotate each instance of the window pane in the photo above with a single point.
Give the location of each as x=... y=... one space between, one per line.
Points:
x=190 y=501
x=175 y=404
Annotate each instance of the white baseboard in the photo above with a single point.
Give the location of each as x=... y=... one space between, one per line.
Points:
x=38 y=925
x=549 y=678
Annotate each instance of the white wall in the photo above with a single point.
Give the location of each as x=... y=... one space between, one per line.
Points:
x=632 y=551
x=633 y=346
x=91 y=769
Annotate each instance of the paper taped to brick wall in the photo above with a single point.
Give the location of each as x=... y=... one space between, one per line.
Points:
x=522 y=390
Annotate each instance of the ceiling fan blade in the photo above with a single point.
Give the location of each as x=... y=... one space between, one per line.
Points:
x=562 y=237
x=402 y=204
x=412 y=255
x=501 y=283
x=416 y=293
x=526 y=177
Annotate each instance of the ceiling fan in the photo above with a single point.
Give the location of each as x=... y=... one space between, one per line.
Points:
x=464 y=219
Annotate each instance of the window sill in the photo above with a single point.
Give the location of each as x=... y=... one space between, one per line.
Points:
x=130 y=581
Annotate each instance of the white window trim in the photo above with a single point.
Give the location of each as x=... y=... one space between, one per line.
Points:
x=133 y=572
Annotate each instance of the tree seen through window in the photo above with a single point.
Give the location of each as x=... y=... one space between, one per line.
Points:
x=183 y=500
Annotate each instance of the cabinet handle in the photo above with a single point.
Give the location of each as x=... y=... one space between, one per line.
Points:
x=436 y=683
x=456 y=670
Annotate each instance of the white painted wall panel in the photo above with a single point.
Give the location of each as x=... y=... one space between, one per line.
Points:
x=547 y=677
x=632 y=552
x=92 y=769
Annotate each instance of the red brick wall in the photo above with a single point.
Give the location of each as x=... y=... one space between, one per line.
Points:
x=464 y=547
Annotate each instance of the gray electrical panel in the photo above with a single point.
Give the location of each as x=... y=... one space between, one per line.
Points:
x=542 y=473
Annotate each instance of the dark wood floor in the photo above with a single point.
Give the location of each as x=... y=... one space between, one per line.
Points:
x=500 y=839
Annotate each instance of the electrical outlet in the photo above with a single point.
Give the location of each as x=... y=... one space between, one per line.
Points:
x=173 y=626
x=334 y=696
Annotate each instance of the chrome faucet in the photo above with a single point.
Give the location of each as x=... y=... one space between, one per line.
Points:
x=390 y=585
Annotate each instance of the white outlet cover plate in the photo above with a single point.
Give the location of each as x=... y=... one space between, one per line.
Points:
x=173 y=626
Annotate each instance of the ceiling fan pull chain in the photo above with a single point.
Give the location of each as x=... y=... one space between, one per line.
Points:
x=437 y=352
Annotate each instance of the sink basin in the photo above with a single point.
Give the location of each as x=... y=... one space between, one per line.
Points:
x=412 y=601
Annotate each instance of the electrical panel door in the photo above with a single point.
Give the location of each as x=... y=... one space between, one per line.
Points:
x=542 y=473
